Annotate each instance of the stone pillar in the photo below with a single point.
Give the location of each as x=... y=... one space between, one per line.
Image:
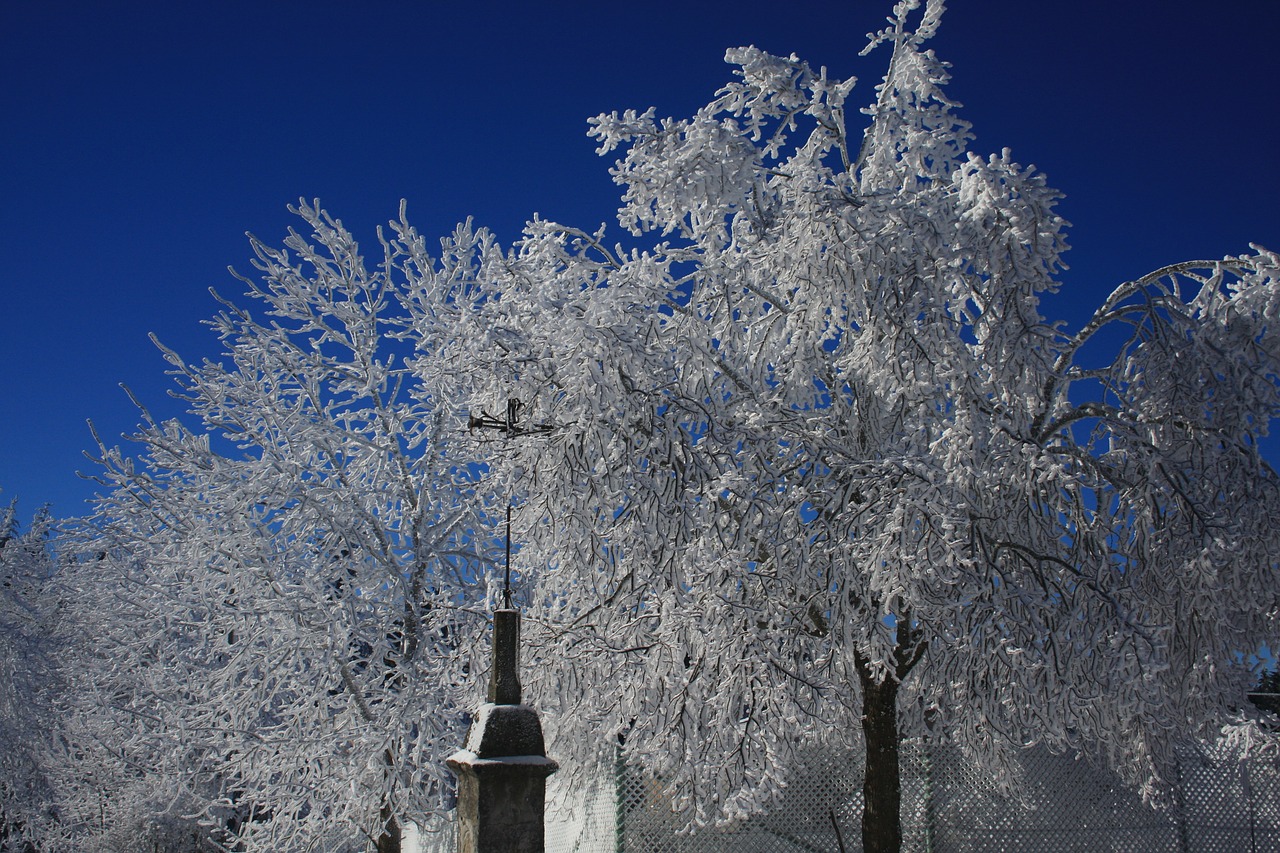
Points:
x=503 y=768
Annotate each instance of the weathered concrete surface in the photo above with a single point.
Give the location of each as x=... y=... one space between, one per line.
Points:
x=501 y=803
x=503 y=768
x=504 y=676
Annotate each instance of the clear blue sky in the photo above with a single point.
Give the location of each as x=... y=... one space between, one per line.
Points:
x=139 y=142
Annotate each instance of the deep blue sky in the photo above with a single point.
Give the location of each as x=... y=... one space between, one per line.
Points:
x=140 y=141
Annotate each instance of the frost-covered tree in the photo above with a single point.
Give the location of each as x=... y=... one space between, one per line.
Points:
x=810 y=465
x=805 y=465
x=279 y=590
x=27 y=675
x=26 y=670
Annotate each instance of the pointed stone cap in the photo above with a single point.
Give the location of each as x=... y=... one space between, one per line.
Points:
x=504 y=732
x=504 y=736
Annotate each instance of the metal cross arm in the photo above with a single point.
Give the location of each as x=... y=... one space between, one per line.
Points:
x=509 y=425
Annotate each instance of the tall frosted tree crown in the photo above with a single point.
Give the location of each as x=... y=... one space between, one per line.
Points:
x=810 y=468
x=819 y=438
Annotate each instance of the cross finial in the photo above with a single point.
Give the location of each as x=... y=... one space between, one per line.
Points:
x=508 y=424
x=504 y=680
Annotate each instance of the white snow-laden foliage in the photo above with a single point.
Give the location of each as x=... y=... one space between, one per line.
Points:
x=28 y=673
x=280 y=599
x=817 y=441
x=802 y=463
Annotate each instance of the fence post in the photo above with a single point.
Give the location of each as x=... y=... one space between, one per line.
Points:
x=619 y=800
x=927 y=761
x=1246 y=788
x=503 y=768
x=1183 y=834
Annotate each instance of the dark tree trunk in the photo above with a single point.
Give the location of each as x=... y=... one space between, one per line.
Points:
x=881 y=781
x=881 y=784
x=389 y=840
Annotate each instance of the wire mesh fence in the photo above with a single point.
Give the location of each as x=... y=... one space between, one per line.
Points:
x=1223 y=804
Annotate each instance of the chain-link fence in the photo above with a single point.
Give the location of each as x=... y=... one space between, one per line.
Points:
x=1223 y=805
